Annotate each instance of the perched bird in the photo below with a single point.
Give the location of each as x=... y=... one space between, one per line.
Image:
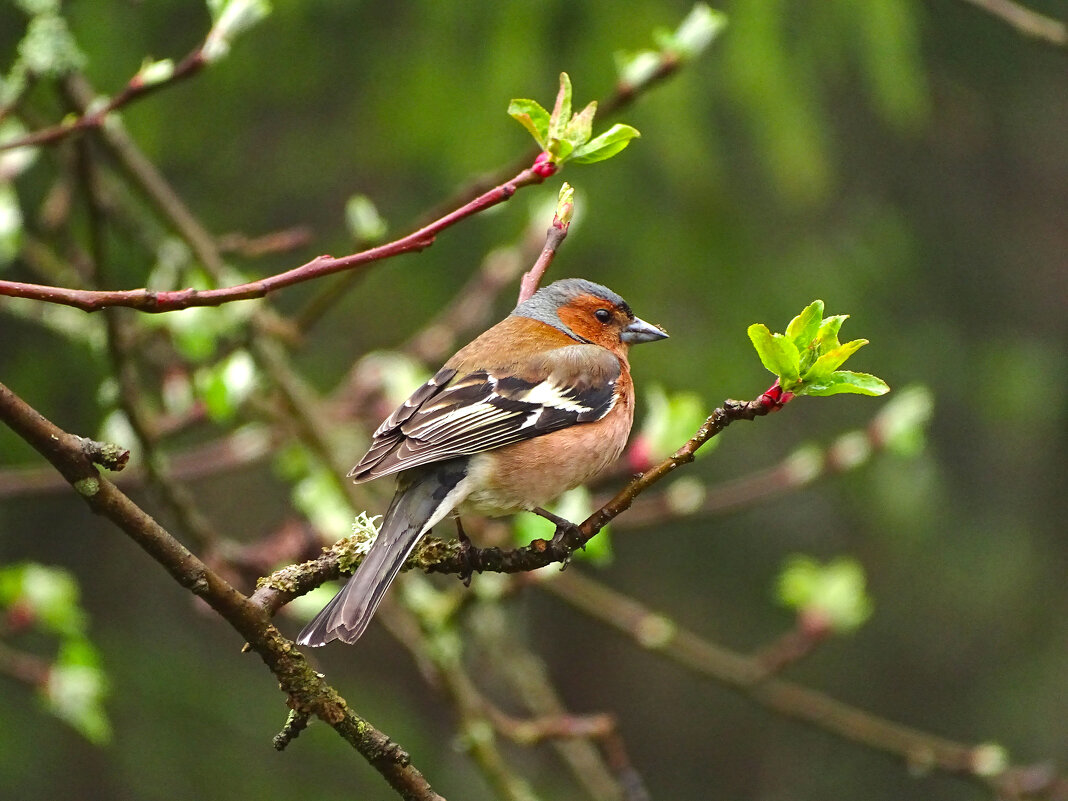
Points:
x=538 y=404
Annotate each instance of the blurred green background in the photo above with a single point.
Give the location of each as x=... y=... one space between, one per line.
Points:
x=905 y=161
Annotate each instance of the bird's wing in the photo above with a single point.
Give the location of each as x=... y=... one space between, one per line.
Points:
x=463 y=412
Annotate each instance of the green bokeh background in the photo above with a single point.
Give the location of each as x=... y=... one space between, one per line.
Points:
x=905 y=161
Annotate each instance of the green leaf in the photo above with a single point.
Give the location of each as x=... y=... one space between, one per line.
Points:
x=155 y=72
x=565 y=205
x=76 y=690
x=828 y=333
x=10 y=224
x=901 y=422
x=560 y=149
x=777 y=353
x=48 y=49
x=365 y=224
x=835 y=592
x=231 y=18
x=323 y=503
x=49 y=594
x=844 y=381
x=636 y=69
x=17 y=160
x=531 y=115
x=561 y=115
x=606 y=145
x=804 y=328
x=831 y=360
x=580 y=129
x=225 y=386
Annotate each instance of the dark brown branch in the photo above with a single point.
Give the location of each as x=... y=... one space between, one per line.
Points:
x=308 y=692
x=157 y=302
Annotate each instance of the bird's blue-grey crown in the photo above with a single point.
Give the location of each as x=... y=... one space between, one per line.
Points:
x=542 y=305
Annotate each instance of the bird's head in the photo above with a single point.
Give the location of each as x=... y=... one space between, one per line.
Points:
x=589 y=312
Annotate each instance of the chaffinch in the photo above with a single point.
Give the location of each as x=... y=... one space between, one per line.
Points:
x=538 y=404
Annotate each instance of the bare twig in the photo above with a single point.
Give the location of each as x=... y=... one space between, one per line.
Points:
x=1025 y=21
x=144 y=175
x=606 y=777
x=241 y=448
x=252 y=247
x=174 y=494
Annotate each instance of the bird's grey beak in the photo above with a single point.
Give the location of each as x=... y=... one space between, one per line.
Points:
x=641 y=331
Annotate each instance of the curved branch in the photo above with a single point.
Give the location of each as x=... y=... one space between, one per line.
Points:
x=149 y=301
x=307 y=690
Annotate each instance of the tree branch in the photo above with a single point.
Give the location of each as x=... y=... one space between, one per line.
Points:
x=750 y=676
x=307 y=690
x=153 y=302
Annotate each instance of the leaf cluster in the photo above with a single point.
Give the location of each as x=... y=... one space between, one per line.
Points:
x=807 y=357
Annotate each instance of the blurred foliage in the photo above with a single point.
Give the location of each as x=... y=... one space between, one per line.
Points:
x=72 y=685
x=904 y=160
x=834 y=594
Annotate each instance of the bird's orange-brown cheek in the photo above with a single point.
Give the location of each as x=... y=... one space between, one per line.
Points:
x=583 y=323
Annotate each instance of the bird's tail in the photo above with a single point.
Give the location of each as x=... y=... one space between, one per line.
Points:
x=423 y=498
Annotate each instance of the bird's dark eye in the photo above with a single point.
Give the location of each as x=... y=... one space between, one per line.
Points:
x=603 y=315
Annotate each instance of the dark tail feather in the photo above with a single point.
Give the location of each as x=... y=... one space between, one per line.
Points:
x=418 y=504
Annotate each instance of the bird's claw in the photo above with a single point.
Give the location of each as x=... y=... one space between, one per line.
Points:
x=467 y=554
x=566 y=532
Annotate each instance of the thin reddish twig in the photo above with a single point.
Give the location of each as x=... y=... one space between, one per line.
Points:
x=149 y=301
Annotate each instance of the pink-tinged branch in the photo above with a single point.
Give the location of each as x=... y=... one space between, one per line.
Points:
x=152 y=302
x=565 y=209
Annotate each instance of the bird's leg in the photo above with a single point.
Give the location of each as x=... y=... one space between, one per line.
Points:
x=564 y=528
x=467 y=550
